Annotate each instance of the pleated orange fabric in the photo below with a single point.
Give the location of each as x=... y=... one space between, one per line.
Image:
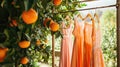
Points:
x=77 y=54
x=66 y=46
x=97 y=59
x=87 y=44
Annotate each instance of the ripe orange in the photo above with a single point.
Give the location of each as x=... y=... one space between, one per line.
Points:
x=30 y=16
x=54 y=26
x=14 y=22
x=57 y=2
x=47 y=20
x=1 y=60
x=24 y=44
x=38 y=42
x=24 y=60
x=3 y=52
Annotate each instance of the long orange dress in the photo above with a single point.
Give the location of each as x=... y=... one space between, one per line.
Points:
x=87 y=44
x=66 y=46
x=77 y=55
x=97 y=59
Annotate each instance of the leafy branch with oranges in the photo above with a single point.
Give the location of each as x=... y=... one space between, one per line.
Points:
x=24 y=27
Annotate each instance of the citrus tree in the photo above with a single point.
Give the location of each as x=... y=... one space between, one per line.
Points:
x=24 y=27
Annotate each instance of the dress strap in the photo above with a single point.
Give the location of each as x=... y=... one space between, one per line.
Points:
x=96 y=15
x=98 y=20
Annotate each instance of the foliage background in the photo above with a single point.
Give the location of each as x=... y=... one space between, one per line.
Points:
x=109 y=46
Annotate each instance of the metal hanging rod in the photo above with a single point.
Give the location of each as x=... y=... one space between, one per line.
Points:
x=87 y=9
x=83 y=1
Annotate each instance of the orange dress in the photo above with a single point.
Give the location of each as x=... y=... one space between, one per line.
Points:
x=87 y=44
x=97 y=59
x=66 y=46
x=77 y=54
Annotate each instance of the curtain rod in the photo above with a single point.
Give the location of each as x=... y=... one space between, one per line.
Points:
x=87 y=9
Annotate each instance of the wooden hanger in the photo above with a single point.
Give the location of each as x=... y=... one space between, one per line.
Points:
x=79 y=15
x=89 y=16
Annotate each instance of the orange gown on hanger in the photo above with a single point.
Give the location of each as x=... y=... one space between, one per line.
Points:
x=77 y=55
x=87 y=44
x=97 y=59
x=66 y=46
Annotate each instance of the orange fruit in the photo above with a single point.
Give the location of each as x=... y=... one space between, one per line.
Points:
x=1 y=60
x=14 y=23
x=38 y=42
x=51 y=22
x=24 y=60
x=57 y=2
x=3 y=52
x=45 y=22
x=24 y=44
x=54 y=26
x=30 y=16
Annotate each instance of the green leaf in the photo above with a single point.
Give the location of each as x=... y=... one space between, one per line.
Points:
x=3 y=37
x=25 y=37
x=29 y=4
x=44 y=4
x=3 y=16
x=1 y=1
